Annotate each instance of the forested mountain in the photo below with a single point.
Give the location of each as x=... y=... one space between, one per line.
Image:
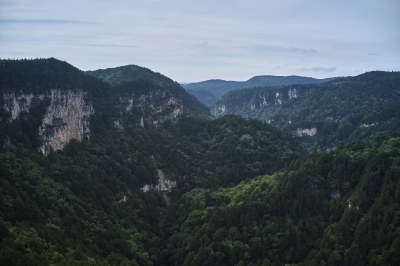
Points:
x=42 y=75
x=324 y=115
x=130 y=73
x=129 y=172
x=58 y=100
x=337 y=208
x=77 y=153
x=210 y=91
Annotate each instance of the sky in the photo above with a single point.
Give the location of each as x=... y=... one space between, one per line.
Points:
x=191 y=41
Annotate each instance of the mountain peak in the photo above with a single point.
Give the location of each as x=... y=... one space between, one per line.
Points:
x=128 y=72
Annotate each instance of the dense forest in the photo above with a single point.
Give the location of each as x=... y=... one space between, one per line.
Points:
x=337 y=208
x=340 y=111
x=246 y=192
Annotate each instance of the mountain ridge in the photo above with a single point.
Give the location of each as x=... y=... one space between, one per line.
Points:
x=67 y=97
x=338 y=111
x=209 y=91
x=240 y=191
x=129 y=73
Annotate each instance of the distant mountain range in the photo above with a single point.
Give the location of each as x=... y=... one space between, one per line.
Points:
x=323 y=115
x=210 y=91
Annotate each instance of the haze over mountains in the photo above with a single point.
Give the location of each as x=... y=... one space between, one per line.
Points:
x=210 y=91
x=122 y=166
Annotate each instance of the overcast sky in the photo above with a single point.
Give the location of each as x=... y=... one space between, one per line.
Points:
x=198 y=40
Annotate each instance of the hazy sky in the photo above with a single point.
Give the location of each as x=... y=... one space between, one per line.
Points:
x=197 y=40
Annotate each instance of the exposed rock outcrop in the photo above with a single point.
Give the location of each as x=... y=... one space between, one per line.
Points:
x=305 y=132
x=164 y=184
x=155 y=107
x=66 y=118
x=18 y=104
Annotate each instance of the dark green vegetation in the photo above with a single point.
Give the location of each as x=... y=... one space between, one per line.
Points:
x=130 y=73
x=40 y=75
x=210 y=91
x=337 y=208
x=83 y=205
x=68 y=207
x=341 y=111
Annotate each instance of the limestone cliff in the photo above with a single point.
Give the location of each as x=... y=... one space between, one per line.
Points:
x=66 y=118
x=17 y=104
x=67 y=112
x=48 y=102
x=164 y=184
x=152 y=108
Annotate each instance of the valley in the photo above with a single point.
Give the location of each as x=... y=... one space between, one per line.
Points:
x=122 y=166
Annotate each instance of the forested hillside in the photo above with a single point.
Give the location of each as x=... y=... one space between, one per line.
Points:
x=84 y=202
x=40 y=75
x=210 y=91
x=324 y=115
x=135 y=172
x=337 y=208
x=129 y=73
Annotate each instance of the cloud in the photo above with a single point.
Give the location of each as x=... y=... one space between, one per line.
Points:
x=303 y=51
x=44 y=21
x=319 y=69
x=284 y=49
x=111 y=45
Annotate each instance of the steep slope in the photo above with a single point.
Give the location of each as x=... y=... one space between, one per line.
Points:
x=200 y=152
x=48 y=100
x=85 y=203
x=130 y=73
x=324 y=115
x=337 y=208
x=59 y=101
x=209 y=91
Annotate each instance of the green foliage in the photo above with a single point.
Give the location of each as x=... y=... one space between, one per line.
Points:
x=129 y=72
x=126 y=77
x=343 y=110
x=66 y=207
x=83 y=205
x=200 y=152
x=41 y=75
x=69 y=203
x=330 y=208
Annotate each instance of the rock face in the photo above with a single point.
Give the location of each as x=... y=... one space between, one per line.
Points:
x=49 y=102
x=66 y=118
x=164 y=184
x=305 y=132
x=67 y=112
x=154 y=108
x=18 y=104
x=256 y=100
